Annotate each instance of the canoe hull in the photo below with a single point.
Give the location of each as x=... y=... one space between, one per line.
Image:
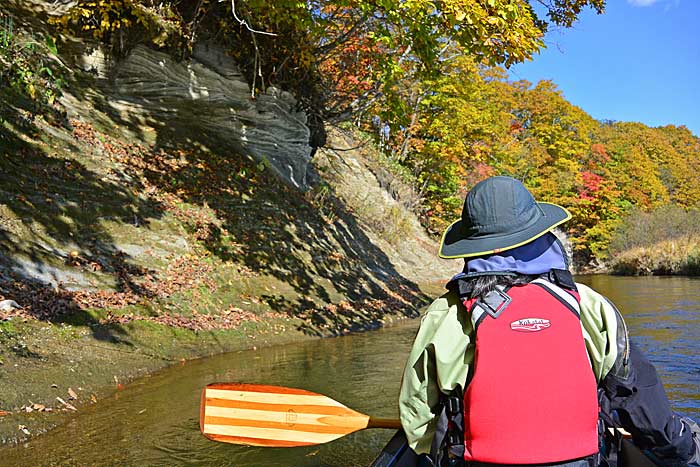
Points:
x=397 y=454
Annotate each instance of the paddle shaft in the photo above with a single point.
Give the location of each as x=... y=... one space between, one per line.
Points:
x=384 y=423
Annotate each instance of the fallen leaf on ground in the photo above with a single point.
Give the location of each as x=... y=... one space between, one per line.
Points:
x=72 y=394
x=66 y=404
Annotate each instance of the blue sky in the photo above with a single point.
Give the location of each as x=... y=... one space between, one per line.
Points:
x=639 y=61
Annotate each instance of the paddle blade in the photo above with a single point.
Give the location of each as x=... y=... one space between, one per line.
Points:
x=274 y=416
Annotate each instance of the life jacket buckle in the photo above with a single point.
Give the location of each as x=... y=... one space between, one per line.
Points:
x=495 y=302
x=453 y=405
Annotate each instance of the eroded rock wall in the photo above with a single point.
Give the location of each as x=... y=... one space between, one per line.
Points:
x=209 y=93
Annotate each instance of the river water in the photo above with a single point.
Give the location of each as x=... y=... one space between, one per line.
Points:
x=154 y=421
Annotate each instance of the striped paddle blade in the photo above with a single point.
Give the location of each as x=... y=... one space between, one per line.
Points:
x=274 y=416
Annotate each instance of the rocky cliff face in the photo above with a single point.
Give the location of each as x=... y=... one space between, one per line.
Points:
x=151 y=169
x=210 y=93
x=207 y=89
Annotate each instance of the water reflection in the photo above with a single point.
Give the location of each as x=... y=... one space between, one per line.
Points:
x=154 y=422
x=663 y=317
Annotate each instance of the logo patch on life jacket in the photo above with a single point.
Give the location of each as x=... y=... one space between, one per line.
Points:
x=530 y=324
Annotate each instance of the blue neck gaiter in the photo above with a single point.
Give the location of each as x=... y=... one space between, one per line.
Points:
x=536 y=257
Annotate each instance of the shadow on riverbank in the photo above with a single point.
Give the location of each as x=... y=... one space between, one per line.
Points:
x=131 y=241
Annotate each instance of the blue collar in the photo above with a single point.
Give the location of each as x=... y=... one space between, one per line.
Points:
x=537 y=257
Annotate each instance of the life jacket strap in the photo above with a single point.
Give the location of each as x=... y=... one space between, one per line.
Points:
x=610 y=440
x=564 y=296
x=448 y=442
x=562 y=278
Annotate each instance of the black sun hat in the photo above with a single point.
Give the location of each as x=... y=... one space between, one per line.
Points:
x=499 y=214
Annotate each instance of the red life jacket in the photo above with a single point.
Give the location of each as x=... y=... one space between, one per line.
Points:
x=532 y=398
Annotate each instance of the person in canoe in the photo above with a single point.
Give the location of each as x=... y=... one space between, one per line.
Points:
x=518 y=364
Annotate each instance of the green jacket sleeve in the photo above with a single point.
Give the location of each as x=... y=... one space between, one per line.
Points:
x=439 y=361
x=604 y=331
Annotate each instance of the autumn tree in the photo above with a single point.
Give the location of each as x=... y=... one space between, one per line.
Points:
x=306 y=46
x=431 y=73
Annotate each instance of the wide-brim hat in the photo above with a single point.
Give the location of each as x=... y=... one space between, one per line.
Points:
x=499 y=213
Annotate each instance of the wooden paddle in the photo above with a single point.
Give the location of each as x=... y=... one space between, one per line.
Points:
x=275 y=416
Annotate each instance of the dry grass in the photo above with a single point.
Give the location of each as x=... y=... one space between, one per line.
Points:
x=676 y=257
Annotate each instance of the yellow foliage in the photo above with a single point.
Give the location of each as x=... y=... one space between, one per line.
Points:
x=103 y=18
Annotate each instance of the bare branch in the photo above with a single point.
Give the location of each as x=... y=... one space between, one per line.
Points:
x=243 y=22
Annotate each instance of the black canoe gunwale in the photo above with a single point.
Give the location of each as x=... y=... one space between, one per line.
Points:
x=396 y=453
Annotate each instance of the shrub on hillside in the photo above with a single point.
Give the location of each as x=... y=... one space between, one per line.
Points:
x=664 y=258
x=644 y=229
x=664 y=241
x=28 y=65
